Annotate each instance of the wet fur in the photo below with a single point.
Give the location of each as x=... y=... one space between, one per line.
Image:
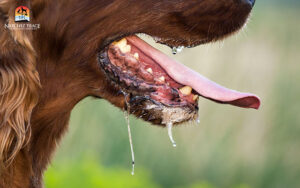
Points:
x=45 y=73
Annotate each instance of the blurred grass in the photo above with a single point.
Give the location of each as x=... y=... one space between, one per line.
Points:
x=88 y=173
x=231 y=147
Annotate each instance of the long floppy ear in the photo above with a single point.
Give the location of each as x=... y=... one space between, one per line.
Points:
x=19 y=85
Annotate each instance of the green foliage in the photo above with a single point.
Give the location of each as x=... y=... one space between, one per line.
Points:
x=201 y=184
x=90 y=174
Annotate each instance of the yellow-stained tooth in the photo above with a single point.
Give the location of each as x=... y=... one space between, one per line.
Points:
x=162 y=78
x=136 y=55
x=195 y=97
x=186 y=90
x=150 y=70
x=121 y=43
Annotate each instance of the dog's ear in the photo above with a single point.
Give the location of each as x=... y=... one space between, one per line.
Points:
x=19 y=85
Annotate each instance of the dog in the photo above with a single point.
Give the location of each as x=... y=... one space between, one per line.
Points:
x=90 y=48
x=22 y=11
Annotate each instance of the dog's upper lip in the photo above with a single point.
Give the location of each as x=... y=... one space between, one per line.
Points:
x=199 y=83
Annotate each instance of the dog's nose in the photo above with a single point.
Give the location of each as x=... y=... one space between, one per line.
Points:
x=250 y=2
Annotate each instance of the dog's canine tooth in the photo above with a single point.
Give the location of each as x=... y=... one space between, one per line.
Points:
x=150 y=70
x=162 y=78
x=195 y=97
x=136 y=55
x=121 y=43
x=186 y=90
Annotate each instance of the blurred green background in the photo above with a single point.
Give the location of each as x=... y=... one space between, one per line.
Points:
x=231 y=147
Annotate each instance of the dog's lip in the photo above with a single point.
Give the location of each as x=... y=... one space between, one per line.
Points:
x=199 y=83
x=171 y=42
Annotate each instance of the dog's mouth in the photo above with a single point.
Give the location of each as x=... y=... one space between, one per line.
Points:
x=159 y=89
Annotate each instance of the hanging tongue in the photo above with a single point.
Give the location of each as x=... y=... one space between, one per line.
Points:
x=199 y=83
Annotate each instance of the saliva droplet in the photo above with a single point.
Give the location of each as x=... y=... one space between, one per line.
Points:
x=132 y=171
x=178 y=49
x=169 y=127
x=198 y=120
x=174 y=50
x=126 y=114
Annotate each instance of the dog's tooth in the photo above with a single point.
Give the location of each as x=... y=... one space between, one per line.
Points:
x=125 y=49
x=150 y=70
x=186 y=90
x=195 y=97
x=162 y=78
x=136 y=55
x=121 y=43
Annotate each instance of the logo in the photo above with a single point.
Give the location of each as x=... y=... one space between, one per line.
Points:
x=22 y=14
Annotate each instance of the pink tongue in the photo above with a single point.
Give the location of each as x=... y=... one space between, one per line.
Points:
x=199 y=83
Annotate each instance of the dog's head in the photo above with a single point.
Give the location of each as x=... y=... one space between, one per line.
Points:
x=90 y=48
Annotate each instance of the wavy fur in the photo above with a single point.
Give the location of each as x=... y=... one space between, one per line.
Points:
x=19 y=83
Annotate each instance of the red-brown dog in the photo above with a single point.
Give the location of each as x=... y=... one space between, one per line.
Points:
x=89 y=48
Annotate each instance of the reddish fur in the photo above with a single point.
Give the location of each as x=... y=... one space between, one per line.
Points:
x=64 y=51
